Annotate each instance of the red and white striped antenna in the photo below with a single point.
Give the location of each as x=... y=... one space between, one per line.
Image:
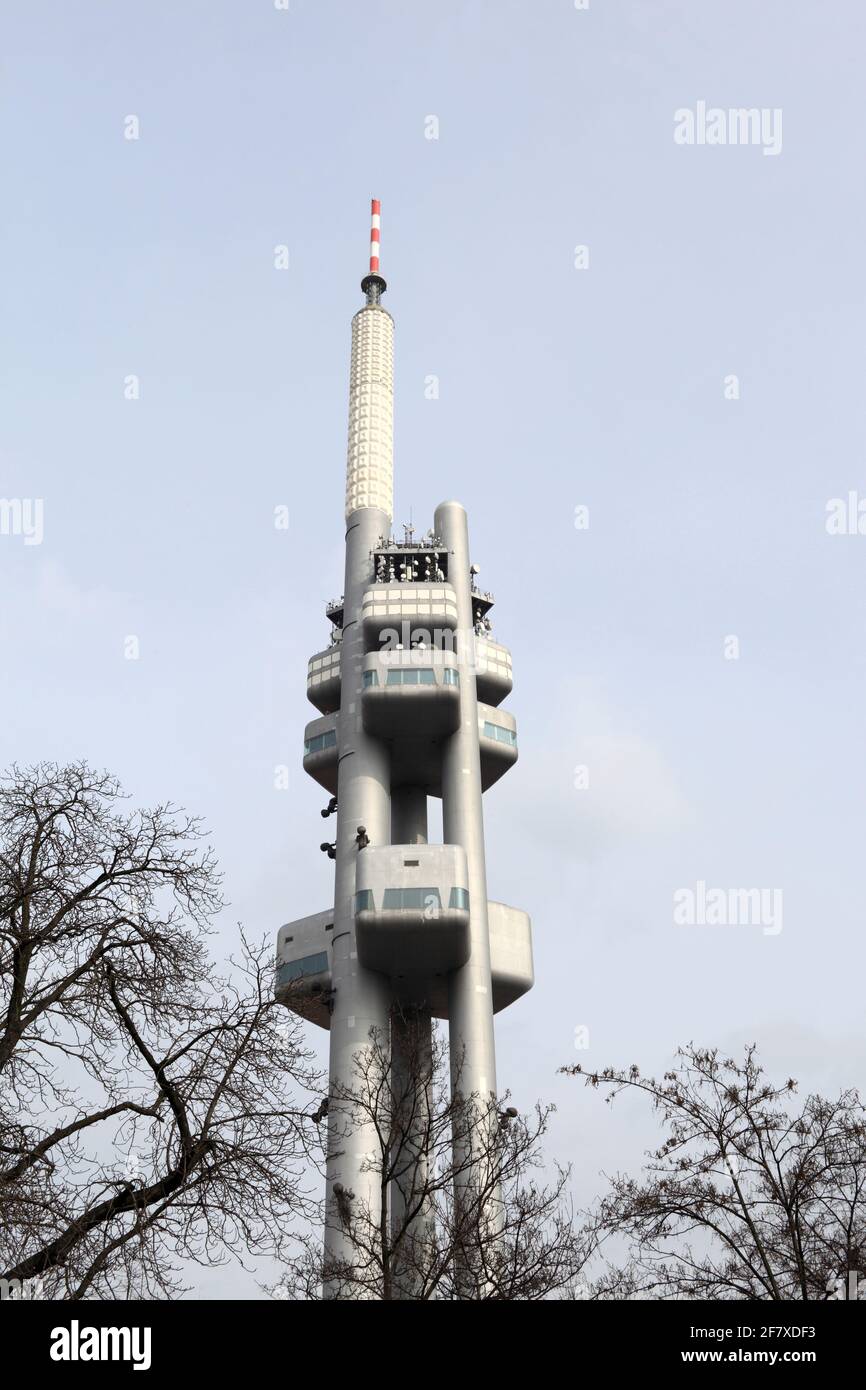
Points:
x=373 y=285
x=375 y=224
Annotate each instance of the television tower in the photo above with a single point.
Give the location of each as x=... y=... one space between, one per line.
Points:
x=409 y=692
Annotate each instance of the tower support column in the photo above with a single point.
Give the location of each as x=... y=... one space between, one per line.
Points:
x=361 y=998
x=470 y=991
x=411 y=1081
x=470 y=998
x=411 y=1087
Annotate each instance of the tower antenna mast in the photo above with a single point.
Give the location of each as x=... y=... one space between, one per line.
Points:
x=373 y=285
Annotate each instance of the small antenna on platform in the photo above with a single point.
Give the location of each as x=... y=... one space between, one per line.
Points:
x=373 y=285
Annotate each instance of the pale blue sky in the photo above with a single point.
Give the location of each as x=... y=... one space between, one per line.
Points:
x=558 y=387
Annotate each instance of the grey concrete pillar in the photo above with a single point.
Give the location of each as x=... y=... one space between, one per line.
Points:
x=411 y=1044
x=470 y=999
x=411 y=1084
x=362 y=998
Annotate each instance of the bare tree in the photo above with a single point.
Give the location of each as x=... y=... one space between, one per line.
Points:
x=748 y=1197
x=505 y=1235
x=147 y=1107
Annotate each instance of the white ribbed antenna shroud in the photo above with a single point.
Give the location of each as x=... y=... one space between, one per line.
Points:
x=370 y=457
